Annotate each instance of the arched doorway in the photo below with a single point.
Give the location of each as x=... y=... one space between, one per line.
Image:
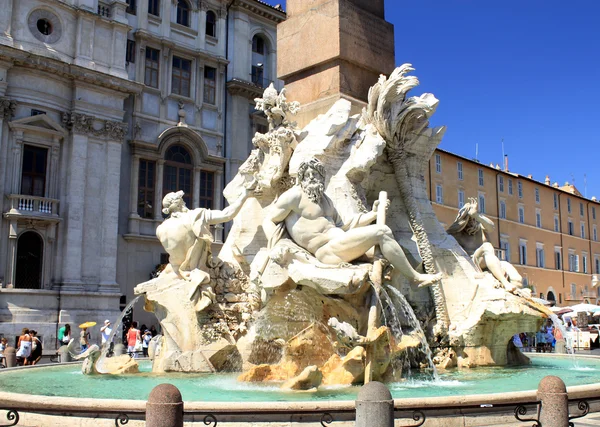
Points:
x=30 y=256
x=550 y=297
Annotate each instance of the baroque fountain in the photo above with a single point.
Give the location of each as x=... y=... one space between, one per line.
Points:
x=336 y=271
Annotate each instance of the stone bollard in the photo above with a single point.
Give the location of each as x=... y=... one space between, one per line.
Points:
x=555 y=402
x=64 y=355
x=374 y=406
x=10 y=357
x=164 y=407
x=118 y=349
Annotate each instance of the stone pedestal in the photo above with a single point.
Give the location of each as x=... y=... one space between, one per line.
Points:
x=353 y=46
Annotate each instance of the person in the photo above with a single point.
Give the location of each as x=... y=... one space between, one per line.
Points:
x=24 y=347
x=313 y=223
x=550 y=341
x=105 y=331
x=471 y=229
x=517 y=341
x=84 y=339
x=36 y=348
x=153 y=331
x=146 y=341
x=133 y=336
x=64 y=335
x=3 y=345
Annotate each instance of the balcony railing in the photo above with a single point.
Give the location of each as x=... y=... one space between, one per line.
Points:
x=259 y=81
x=35 y=205
x=103 y=9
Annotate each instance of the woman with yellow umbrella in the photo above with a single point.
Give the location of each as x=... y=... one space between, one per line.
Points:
x=84 y=335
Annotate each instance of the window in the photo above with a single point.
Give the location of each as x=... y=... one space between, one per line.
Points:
x=146 y=181
x=459 y=169
x=501 y=184
x=183 y=13
x=510 y=187
x=131 y=6
x=461 y=198
x=581 y=209
x=154 y=7
x=211 y=24
x=521 y=214
x=571 y=231
x=573 y=290
x=582 y=227
x=207 y=188
x=595 y=233
x=537 y=195
x=538 y=218
x=178 y=172
x=539 y=257
x=569 y=205
x=151 y=67
x=502 y=209
x=180 y=76
x=593 y=212
x=555 y=201
x=520 y=189
x=210 y=85
x=573 y=262
x=33 y=172
x=480 y=175
x=584 y=263
x=130 y=53
x=557 y=259
x=505 y=246
x=523 y=253
x=482 y=203
x=439 y=195
x=258 y=73
x=258 y=45
x=598 y=266
x=438 y=163
x=35 y=112
x=556 y=224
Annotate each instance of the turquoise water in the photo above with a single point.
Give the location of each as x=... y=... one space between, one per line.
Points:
x=68 y=381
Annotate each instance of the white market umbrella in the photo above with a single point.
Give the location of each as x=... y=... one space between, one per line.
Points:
x=585 y=307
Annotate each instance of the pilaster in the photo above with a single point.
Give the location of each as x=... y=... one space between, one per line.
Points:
x=11 y=255
x=134 y=223
x=160 y=167
x=6 y=16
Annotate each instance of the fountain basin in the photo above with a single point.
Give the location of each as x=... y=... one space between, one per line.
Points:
x=451 y=397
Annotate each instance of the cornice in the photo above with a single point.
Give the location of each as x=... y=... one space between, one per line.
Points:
x=244 y=88
x=74 y=72
x=259 y=8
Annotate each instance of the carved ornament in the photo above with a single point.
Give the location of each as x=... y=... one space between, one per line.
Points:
x=83 y=123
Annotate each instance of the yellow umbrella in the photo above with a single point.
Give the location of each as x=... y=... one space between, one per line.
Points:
x=87 y=325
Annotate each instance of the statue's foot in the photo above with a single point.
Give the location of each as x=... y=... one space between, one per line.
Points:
x=428 y=279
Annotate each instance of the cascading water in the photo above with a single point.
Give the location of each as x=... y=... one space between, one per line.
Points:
x=416 y=325
x=117 y=324
x=559 y=324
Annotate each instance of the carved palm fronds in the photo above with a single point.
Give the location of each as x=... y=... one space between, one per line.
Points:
x=400 y=121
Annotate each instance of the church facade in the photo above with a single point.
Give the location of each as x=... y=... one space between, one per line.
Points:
x=105 y=106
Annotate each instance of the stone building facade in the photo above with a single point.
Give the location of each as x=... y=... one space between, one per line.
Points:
x=547 y=231
x=105 y=105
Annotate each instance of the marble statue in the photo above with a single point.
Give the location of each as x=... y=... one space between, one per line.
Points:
x=187 y=238
x=471 y=230
x=313 y=222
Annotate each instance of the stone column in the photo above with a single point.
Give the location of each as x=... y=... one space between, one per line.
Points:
x=160 y=167
x=11 y=255
x=374 y=406
x=134 y=225
x=110 y=217
x=196 y=187
x=164 y=407
x=554 y=410
x=73 y=214
x=16 y=163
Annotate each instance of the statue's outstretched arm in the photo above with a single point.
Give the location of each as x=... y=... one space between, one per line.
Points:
x=227 y=214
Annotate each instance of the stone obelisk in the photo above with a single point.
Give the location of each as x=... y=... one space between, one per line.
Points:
x=332 y=49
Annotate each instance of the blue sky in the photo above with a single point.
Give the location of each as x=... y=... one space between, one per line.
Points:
x=526 y=71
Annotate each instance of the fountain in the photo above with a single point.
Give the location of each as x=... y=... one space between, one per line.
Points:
x=314 y=291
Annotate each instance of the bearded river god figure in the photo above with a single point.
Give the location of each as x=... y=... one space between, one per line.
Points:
x=471 y=230
x=313 y=222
